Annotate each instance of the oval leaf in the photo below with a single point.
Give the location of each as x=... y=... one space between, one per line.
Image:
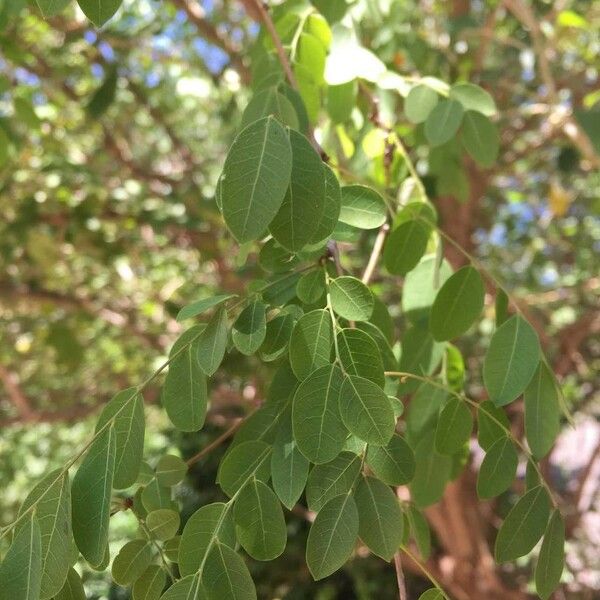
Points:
x=212 y=343
x=360 y=355
x=454 y=427
x=551 y=560
x=443 y=122
x=498 y=469
x=351 y=299
x=250 y=328
x=310 y=344
x=246 y=461
x=405 y=246
x=362 y=207
x=150 y=584
x=131 y=561
x=393 y=463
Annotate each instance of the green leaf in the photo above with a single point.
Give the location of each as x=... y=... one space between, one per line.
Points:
x=454 y=427
x=366 y=410
x=156 y=496
x=212 y=343
x=52 y=496
x=360 y=355
x=457 y=305
x=171 y=548
x=275 y=258
x=185 y=396
x=250 y=328
x=131 y=561
x=50 y=8
x=542 y=411
x=432 y=594
x=170 y=470
x=259 y=521
x=311 y=287
x=341 y=100
x=150 y=584
x=394 y=463
x=310 y=344
x=405 y=246
x=524 y=525
x=297 y=220
x=225 y=575
x=185 y=589
x=197 y=308
x=420 y=531
x=421 y=286
x=423 y=411
x=270 y=102
x=421 y=100
x=472 y=97
x=331 y=479
x=490 y=418
x=163 y=523
x=421 y=355
x=213 y=521
x=255 y=178
x=91 y=493
x=498 y=469
x=247 y=460
x=379 y=516
x=316 y=420
x=104 y=96
x=289 y=467
x=432 y=472
x=126 y=409
x=21 y=569
x=480 y=138
x=362 y=207
x=351 y=298
x=328 y=218
x=551 y=560
x=99 y=11
x=384 y=350
x=332 y=536
x=73 y=587
x=277 y=337
x=501 y=306
x=511 y=360
x=443 y=122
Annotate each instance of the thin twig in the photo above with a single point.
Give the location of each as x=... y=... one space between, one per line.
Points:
x=375 y=253
x=400 y=577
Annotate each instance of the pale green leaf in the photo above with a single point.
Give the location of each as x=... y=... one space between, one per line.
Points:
x=73 y=588
x=150 y=584
x=131 y=561
x=51 y=8
x=247 y=460
x=326 y=481
x=551 y=560
x=498 y=469
x=156 y=496
x=472 y=97
x=310 y=344
x=163 y=523
x=362 y=207
x=341 y=100
x=443 y=122
x=432 y=594
x=421 y=100
x=170 y=470
x=351 y=298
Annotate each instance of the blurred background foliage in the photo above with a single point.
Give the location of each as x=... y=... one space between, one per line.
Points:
x=111 y=142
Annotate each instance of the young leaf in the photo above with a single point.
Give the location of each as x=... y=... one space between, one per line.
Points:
x=360 y=355
x=480 y=138
x=212 y=343
x=248 y=459
x=405 y=246
x=99 y=11
x=225 y=575
x=498 y=469
x=150 y=584
x=52 y=496
x=163 y=523
x=73 y=588
x=327 y=219
x=310 y=344
x=297 y=220
x=421 y=100
x=255 y=178
x=490 y=418
x=432 y=472
x=454 y=427
x=511 y=360
x=331 y=479
x=551 y=560
x=332 y=536
x=311 y=287
x=362 y=207
x=259 y=521
x=91 y=492
x=21 y=569
x=50 y=8
x=472 y=97
x=185 y=396
x=394 y=463
x=277 y=337
x=170 y=470
x=131 y=561
x=250 y=328
x=210 y=522
x=289 y=467
x=316 y=420
x=197 y=308
x=542 y=411
x=379 y=516
x=351 y=299
x=524 y=525
x=366 y=410
x=443 y=122
x=457 y=305
x=127 y=410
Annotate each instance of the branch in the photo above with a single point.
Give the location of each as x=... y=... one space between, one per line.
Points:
x=16 y=395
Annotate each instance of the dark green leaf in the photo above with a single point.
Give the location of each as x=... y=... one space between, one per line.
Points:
x=212 y=343
x=511 y=360
x=197 y=308
x=360 y=355
x=351 y=298
x=524 y=525
x=405 y=246
x=328 y=218
x=247 y=460
x=310 y=344
x=551 y=560
x=225 y=575
x=480 y=138
x=277 y=337
x=454 y=427
x=331 y=479
x=443 y=122
x=498 y=469
x=73 y=588
x=493 y=424
x=255 y=178
x=311 y=286
x=394 y=463
x=99 y=11
x=420 y=531
x=250 y=328
x=432 y=472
